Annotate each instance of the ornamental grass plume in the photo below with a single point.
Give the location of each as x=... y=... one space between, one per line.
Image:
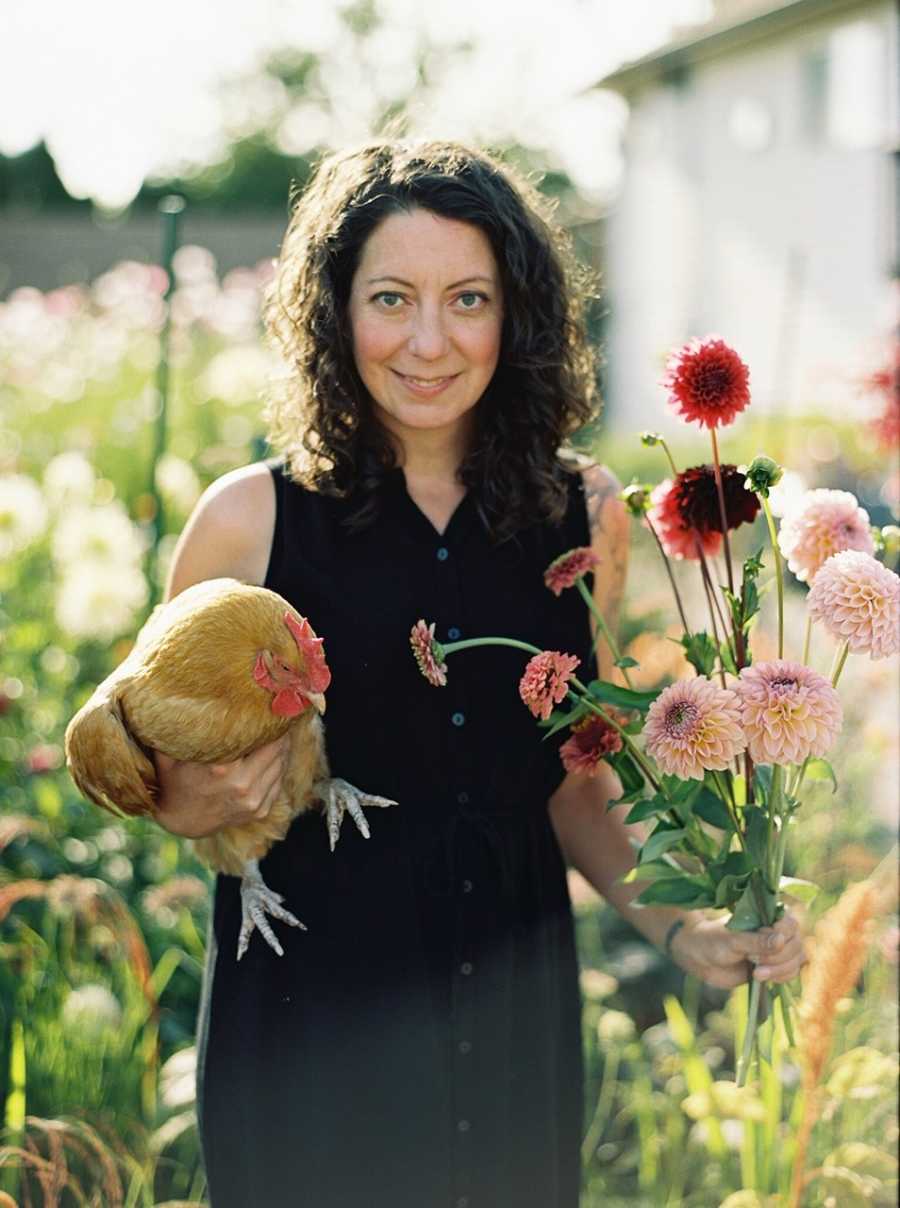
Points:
x=842 y=939
x=857 y=599
x=694 y=726
x=545 y=681
x=568 y=568
x=592 y=739
x=428 y=653
x=821 y=523
x=788 y=711
x=707 y=382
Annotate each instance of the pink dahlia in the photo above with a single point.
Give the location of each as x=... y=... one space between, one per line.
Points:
x=567 y=569
x=707 y=382
x=789 y=711
x=857 y=599
x=677 y=538
x=592 y=740
x=429 y=654
x=822 y=522
x=694 y=726
x=545 y=681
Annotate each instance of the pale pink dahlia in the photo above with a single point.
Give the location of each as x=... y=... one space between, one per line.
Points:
x=567 y=569
x=694 y=726
x=789 y=711
x=592 y=740
x=545 y=682
x=707 y=382
x=857 y=599
x=429 y=654
x=822 y=522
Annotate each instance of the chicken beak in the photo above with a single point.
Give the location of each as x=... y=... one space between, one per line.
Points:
x=317 y=700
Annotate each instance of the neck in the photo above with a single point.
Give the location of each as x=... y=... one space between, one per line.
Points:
x=433 y=456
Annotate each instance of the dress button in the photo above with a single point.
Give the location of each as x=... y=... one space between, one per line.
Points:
x=463 y=1126
x=452 y=633
x=465 y=968
x=467 y=886
x=443 y=554
x=465 y=1046
x=462 y=798
x=458 y=719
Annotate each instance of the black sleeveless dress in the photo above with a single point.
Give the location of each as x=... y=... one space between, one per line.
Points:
x=419 y=1046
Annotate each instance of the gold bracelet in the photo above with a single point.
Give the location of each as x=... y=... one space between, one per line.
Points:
x=670 y=935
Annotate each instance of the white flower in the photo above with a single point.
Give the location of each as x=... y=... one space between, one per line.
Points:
x=91 y=1011
x=615 y=1027
x=69 y=478
x=176 y=479
x=177 y=1079
x=786 y=493
x=99 y=600
x=237 y=375
x=103 y=534
x=23 y=513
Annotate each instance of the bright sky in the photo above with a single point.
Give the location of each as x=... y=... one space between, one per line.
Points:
x=120 y=90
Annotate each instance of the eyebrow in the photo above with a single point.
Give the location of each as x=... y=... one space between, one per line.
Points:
x=409 y=284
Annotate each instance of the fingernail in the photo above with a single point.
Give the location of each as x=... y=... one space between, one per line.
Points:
x=761 y=972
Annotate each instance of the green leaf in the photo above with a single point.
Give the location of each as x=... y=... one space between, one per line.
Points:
x=745 y=916
x=661 y=840
x=655 y=870
x=734 y=864
x=558 y=719
x=612 y=694
x=627 y=661
x=629 y=773
x=649 y=808
x=700 y=651
x=682 y=891
x=730 y=889
x=756 y=830
x=804 y=890
x=821 y=769
x=712 y=809
x=734 y=605
x=752 y=566
x=680 y=792
x=728 y=660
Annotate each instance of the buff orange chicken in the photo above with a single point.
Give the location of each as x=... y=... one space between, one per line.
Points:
x=215 y=673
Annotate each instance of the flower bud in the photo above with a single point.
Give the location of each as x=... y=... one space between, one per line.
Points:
x=636 y=497
x=762 y=474
x=650 y=439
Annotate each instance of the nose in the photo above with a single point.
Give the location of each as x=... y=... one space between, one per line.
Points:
x=428 y=339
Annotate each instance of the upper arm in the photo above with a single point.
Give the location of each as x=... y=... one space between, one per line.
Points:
x=610 y=533
x=229 y=533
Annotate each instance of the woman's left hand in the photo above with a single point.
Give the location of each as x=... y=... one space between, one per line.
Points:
x=707 y=948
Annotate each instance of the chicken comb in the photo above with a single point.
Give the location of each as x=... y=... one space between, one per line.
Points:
x=318 y=677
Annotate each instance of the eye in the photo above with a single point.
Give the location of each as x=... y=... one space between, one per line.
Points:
x=472 y=300
x=389 y=300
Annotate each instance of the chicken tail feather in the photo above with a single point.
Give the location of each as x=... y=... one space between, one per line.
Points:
x=106 y=763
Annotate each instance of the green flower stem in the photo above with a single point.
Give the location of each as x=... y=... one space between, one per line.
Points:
x=604 y=1104
x=775 y=800
x=602 y=625
x=750 y=1033
x=666 y=562
x=635 y=752
x=724 y=517
x=806 y=640
x=470 y=643
x=669 y=456
x=779 y=575
x=840 y=657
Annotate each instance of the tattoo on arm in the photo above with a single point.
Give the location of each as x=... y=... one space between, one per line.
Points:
x=609 y=527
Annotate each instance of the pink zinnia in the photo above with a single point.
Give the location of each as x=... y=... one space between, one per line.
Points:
x=429 y=654
x=678 y=539
x=694 y=726
x=567 y=569
x=789 y=712
x=545 y=681
x=822 y=522
x=857 y=599
x=592 y=740
x=707 y=382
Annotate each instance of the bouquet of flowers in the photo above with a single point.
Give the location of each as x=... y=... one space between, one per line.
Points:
x=717 y=761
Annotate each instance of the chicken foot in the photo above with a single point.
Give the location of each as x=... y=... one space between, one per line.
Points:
x=338 y=797
x=257 y=900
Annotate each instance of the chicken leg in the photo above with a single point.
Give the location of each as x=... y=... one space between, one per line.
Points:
x=340 y=797
x=258 y=900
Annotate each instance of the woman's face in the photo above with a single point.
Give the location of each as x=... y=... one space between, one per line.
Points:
x=426 y=314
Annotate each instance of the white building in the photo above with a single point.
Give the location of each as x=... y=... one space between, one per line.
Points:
x=759 y=201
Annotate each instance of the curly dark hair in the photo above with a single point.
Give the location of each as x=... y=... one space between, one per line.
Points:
x=319 y=415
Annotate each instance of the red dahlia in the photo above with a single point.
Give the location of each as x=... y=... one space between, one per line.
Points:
x=697 y=499
x=707 y=382
x=591 y=741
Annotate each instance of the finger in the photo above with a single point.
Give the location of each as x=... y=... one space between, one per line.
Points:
x=270 y=787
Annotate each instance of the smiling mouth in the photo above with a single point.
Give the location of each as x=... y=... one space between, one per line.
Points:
x=426 y=382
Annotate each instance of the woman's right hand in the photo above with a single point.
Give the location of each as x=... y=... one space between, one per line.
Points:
x=198 y=799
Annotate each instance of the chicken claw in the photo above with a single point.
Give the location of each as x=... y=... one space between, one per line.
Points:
x=338 y=797
x=257 y=900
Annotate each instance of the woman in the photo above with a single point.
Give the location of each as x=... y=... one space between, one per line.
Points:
x=419 y=1045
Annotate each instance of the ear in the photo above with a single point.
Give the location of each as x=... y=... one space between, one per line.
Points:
x=106 y=763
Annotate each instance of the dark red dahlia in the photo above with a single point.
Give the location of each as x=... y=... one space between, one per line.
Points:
x=707 y=382
x=697 y=500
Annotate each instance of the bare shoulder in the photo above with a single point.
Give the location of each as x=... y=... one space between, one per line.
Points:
x=229 y=532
